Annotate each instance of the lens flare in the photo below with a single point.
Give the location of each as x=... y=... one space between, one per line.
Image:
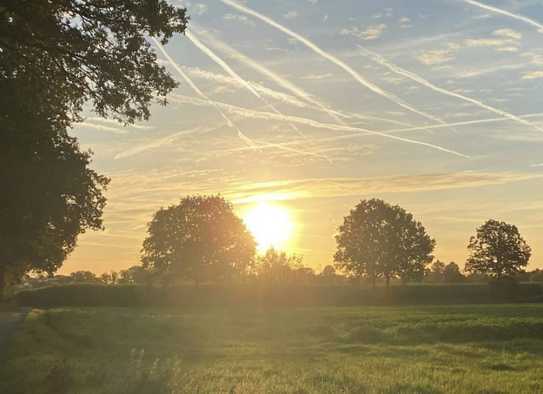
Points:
x=271 y=226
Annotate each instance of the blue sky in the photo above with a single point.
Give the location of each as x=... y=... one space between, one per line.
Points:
x=316 y=104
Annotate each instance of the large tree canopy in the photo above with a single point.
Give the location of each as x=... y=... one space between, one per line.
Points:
x=49 y=197
x=378 y=240
x=56 y=56
x=498 y=250
x=199 y=239
x=78 y=51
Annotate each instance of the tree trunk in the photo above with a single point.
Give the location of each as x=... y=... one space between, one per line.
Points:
x=387 y=277
x=373 y=281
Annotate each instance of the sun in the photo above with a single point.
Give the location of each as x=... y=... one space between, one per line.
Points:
x=271 y=225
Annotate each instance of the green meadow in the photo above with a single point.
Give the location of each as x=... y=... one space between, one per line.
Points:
x=437 y=349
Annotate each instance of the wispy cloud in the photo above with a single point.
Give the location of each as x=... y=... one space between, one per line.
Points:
x=355 y=75
x=343 y=187
x=420 y=80
x=245 y=112
x=189 y=81
x=369 y=33
x=501 y=11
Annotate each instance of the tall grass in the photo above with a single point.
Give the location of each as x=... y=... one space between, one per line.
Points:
x=438 y=349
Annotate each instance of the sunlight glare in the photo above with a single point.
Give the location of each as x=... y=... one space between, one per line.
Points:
x=271 y=225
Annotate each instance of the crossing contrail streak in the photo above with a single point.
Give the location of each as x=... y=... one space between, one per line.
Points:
x=501 y=11
x=189 y=81
x=421 y=128
x=284 y=83
x=245 y=112
x=420 y=80
x=356 y=76
x=213 y=56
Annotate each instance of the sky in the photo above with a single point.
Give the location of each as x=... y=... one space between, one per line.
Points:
x=314 y=105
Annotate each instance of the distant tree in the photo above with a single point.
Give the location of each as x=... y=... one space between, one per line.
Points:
x=109 y=278
x=135 y=275
x=199 y=239
x=452 y=274
x=276 y=267
x=436 y=271
x=83 y=276
x=498 y=250
x=380 y=240
x=536 y=275
x=329 y=276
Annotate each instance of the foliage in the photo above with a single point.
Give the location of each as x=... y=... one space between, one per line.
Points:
x=200 y=239
x=55 y=56
x=498 y=250
x=50 y=197
x=452 y=349
x=278 y=268
x=74 y=52
x=83 y=276
x=380 y=240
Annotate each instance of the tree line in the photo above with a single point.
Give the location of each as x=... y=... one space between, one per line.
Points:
x=201 y=240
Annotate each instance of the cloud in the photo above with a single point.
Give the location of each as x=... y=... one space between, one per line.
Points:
x=333 y=59
x=433 y=57
x=508 y=33
x=199 y=9
x=533 y=75
x=317 y=77
x=238 y=18
x=372 y=32
x=501 y=11
x=291 y=15
x=344 y=187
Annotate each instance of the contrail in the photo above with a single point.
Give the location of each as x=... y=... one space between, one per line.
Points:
x=158 y=143
x=420 y=80
x=356 y=76
x=284 y=83
x=293 y=88
x=231 y=124
x=522 y=18
x=245 y=112
x=200 y=45
x=101 y=127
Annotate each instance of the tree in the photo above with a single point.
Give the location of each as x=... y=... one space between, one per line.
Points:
x=452 y=274
x=83 y=276
x=498 y=251
x=435 y=272
x=276 y=267
x=55 y=56
x=85 y=51
x=135 y=275
x=199 y=239
x=50 y=196
x=380 y=240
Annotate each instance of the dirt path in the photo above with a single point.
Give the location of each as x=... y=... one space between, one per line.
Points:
x=9 y=320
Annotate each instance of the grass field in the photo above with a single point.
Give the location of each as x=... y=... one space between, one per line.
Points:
x=460 y=349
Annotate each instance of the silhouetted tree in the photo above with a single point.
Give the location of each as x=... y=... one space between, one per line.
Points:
x=498 y=250
x=75 y=52
x=49 y=197
x=55 y=56
x=436 y=271
x=83 y=276
x=452 y=274
x=135 y=275
x=276 y=267
x=199 y=239
x=380 y=240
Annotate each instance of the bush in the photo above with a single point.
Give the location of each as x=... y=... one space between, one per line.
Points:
x=264 y=295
